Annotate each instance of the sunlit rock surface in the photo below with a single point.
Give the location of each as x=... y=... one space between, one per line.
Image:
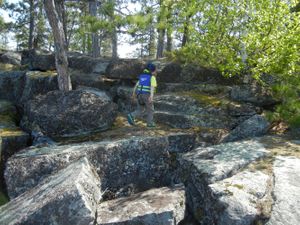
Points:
x=204 y=166
x=239 y=200
x=161 y=206
x=286 y=191
x=68 y=197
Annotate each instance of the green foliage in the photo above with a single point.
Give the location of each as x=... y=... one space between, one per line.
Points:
x=254 y=37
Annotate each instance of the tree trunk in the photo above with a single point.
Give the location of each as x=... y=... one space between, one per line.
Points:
x=114 y=44
x=95 y=51
x=169 y=40
x=31 y=24
x=160 y=43
x=61 y=60
x=161 y=29
x=151 y=47
x=60 y=8
x=186 y=25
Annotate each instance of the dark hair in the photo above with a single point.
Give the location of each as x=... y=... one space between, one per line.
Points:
x=151 y=67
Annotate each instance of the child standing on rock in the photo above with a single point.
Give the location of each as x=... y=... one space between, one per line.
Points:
x=144 y=91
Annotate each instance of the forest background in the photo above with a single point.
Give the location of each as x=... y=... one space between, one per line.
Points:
x=250 y=38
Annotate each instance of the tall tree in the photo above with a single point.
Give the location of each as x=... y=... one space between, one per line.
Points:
x=61 y=60
x=95 y=51
x=161 y=28
x=31 y=23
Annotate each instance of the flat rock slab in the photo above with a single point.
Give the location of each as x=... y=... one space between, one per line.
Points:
x=142 y=161
x=286 y=208
x=68 y=197
x=220 y=161
x=162 y=206
x=239 y=198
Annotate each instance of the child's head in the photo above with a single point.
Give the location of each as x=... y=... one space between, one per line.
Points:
x=151 y=67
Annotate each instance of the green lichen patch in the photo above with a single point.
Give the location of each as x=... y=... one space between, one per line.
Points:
x=11 y=67
x=207 y=99
x=7 y=67
x=39 y=74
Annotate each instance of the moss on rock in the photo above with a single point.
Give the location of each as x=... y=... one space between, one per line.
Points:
x=11 y=131
x=39 y=74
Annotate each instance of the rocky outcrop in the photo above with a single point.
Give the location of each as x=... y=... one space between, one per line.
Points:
x=62 y=113
x=12 y=85
x=68 y=197
x=286 y=191
x=189 y=110
x=13 y=58
x=203 y=168
x=125 y=69
x=254 y=94
x=170 y=73
x=191 y=73
x=38 y=61
x=140 y=161
x=12 y=138
x=256 y=125
x=88 y=65
x=19 y=87
x=161 y=206
x=38 y=83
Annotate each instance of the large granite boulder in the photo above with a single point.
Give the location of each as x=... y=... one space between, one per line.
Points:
x=254 y=94
x=38 y=61
x=38 y=83
x=256 y=125
x=194 y=73
x=125 y=69
x=11 y=85
x=205 y=166
x=170 y=73
x=69 y=113
x=68 y=197
x=9 y=57
x=46 y=61
x=88 y=65
x=161 y=206
x=142 y=162
x=286 y=191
